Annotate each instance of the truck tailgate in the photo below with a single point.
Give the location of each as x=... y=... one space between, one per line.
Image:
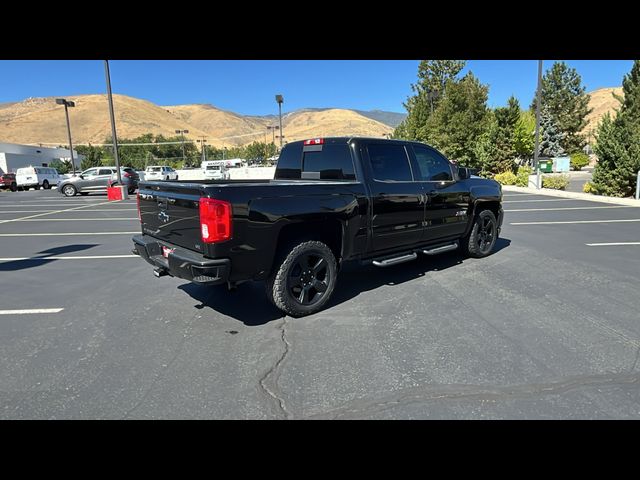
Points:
x=170 y=212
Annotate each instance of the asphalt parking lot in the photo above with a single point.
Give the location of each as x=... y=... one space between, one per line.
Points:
x=546 y=327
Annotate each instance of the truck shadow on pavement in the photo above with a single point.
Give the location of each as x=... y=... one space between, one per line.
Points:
x=40 y=258
x=249 y=304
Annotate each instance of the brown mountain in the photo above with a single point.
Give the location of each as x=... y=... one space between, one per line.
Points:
x=40 y=120
x=601 y=102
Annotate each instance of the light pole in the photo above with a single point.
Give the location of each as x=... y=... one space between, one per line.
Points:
x=204 y=153
x=280 y=100
x=68 y=103
x=537 y=142
x=113 y=122
x=182 y=132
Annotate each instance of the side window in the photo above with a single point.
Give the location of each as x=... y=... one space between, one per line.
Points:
x=104 y=171
x=91 y=172
x=389 y=162
x=290 y=162
x=332 y=162
x=432 y=165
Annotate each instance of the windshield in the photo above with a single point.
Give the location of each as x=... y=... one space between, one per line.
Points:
x=213 y=167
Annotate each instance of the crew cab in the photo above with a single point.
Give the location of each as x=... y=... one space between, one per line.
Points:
x=332 y=200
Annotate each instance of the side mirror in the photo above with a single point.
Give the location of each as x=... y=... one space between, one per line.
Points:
x=463 y=173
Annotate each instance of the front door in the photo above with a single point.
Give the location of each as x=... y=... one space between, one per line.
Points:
x=447 y=202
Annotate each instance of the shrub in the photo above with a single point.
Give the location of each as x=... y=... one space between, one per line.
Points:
x=579 y=160
x=522 y=178
x=556 y=182
x=505 y=178
x=589 y=187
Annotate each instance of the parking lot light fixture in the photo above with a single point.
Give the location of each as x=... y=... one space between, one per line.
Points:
x=67 y=104
x=280 y=100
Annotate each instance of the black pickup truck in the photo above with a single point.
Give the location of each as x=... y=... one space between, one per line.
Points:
x=380 y=202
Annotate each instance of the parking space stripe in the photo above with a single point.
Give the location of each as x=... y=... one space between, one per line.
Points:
x=31 y=311
x=544 y=200
x=564 y=208
x=66 y=234
x=37 y=215
x=75 y=219
x=87 y=210
x=576 y=221
x=84 y=257
x=612 y=244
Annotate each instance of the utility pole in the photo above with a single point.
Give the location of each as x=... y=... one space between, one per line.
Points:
x=204 y=152
x=537 y=141
x=113 y=122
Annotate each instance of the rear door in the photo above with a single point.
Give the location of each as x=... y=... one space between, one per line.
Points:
x=104 y=175
x=447 y=200
x=397 y=200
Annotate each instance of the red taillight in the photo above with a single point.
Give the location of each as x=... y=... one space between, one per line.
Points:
x=138 y=202
x=215 y=220
x=314 y=141
x=127 y=174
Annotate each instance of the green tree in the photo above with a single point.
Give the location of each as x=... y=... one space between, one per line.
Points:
x=93 y=156
x=551 y=138
x=433 y=76
x=62 y=166
x=459 y=120
x=564 y=97
x=618 y=142
x=524 y=135
x=495 y=147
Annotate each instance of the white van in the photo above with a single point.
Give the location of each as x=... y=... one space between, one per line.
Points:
x=37 y=177
x=215 y=170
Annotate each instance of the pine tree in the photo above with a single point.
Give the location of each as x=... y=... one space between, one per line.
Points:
x=551 y=138
x=495 y=148
x=459 y=120
x=564 y=97
x=618 y=142
x=432 y=78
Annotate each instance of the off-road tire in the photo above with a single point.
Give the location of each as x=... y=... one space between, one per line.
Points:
x=279 y=288
x=476 y=243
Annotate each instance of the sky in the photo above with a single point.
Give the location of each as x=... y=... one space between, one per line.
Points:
x=249 y=87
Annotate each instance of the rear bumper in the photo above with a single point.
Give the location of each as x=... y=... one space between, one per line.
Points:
x=182 y=263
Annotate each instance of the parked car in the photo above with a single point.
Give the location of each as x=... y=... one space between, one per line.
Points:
x=332 y=200
x=97 y=179
x=160 y=172
x=36 y=177
x=216 y=172
x=8 y=181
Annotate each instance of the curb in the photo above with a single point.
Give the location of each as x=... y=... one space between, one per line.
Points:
x=575 y=195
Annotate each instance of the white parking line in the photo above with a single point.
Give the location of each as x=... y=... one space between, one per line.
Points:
x=30 y=311
x=65 y=234
x=87 y=210
x=612 y=244
x=84 y=257
x=14 y=205
x=73 y=219
x=522 y=195
x=49 y=213
x=545 y=200
x=564 y=208
x=577 y=221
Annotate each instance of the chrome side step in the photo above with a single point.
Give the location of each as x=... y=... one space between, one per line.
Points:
x=441 y=249
x=395 y=260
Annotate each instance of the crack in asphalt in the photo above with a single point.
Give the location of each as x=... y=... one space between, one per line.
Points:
x=461 y=392
x=165 y=368
x=274 y=371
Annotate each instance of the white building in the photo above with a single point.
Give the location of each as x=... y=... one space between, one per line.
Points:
x=14 y=156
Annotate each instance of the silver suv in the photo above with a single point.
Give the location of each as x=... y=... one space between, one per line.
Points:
x=97 y=179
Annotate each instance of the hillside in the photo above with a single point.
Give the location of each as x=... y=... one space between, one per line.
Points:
x=601 y=101
x=40 y=120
